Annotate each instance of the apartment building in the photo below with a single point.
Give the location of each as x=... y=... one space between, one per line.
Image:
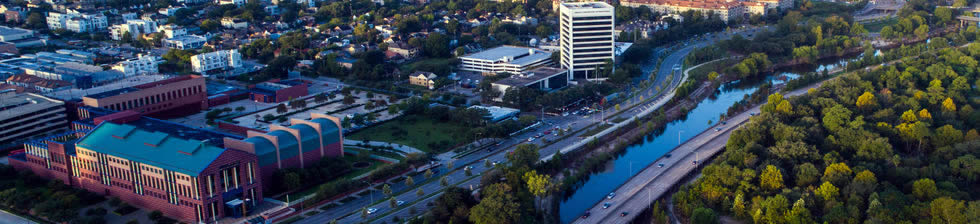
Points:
x=726 y=10
x=135 y=28
x=218 y=60
x=27 y=115
x=510 y=59
x=143 y=64
x=172 y=30
x=77 y=22
x=587 y=37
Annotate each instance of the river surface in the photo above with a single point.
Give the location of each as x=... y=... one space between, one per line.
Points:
x=640 y=155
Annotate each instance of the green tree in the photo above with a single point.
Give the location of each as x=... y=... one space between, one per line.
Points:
x=704 y=216
x=837 y=173
x=419 y=192
x=864 y=182
x=386 y=190
x=409 y=181
x=948 y=211
x=806 y=174
x=922 y=32
x=924 y=189
x=428 y=174
x=393 y=202
x=526 y=155
x=292 y=181
x=444 y=181
x=498 y=206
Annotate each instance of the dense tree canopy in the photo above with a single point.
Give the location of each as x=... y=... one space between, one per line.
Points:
x=889 y=145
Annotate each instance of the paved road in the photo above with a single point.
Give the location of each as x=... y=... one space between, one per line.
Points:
x=6 y=217
x=654 y=181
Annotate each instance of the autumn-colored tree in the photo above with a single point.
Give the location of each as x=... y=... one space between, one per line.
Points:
x=837 y=173
x=865 y=100
x=771 y=178
x=948 y=105
x=827 y=191
x=924 y=114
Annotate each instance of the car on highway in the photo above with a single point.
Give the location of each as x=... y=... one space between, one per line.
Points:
x=606 y=205
x=372 y=210
x=660 y=165
x=399 y=203
x=668 y=155
x=531 y=139
x=717 y=129
x=587 y=214
x=624 y=213
x=611 y=195
x=724 y=122
x=495 y=163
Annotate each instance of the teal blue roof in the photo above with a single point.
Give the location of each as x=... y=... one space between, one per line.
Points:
x=158 y=149
x=331 y=132
x=288 y=146
x=311 y=140
x=264 y=150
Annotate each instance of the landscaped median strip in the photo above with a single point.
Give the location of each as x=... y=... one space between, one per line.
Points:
x=430 y=180
x=409 y=205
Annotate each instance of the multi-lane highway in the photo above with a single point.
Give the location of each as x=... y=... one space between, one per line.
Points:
x=654 y=181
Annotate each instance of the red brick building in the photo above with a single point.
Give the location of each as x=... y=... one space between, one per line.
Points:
x=171 y=97
x=275 y=91
x=189 y=174
x=185 y=173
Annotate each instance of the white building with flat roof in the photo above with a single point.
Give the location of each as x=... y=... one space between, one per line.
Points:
x=587 y=37
x=218 y=60
x=185 y=42
x=144 y=64
x=8 y=34
x=136 y=28
x=77 y=22
x=171 y=30
x=511 y=59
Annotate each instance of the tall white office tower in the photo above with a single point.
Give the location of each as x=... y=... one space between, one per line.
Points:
x=587 y=37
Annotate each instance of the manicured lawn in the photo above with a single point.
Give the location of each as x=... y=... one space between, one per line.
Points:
x=876 y=26
x=419 y=132
x=353 y=173
x=595 y=130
